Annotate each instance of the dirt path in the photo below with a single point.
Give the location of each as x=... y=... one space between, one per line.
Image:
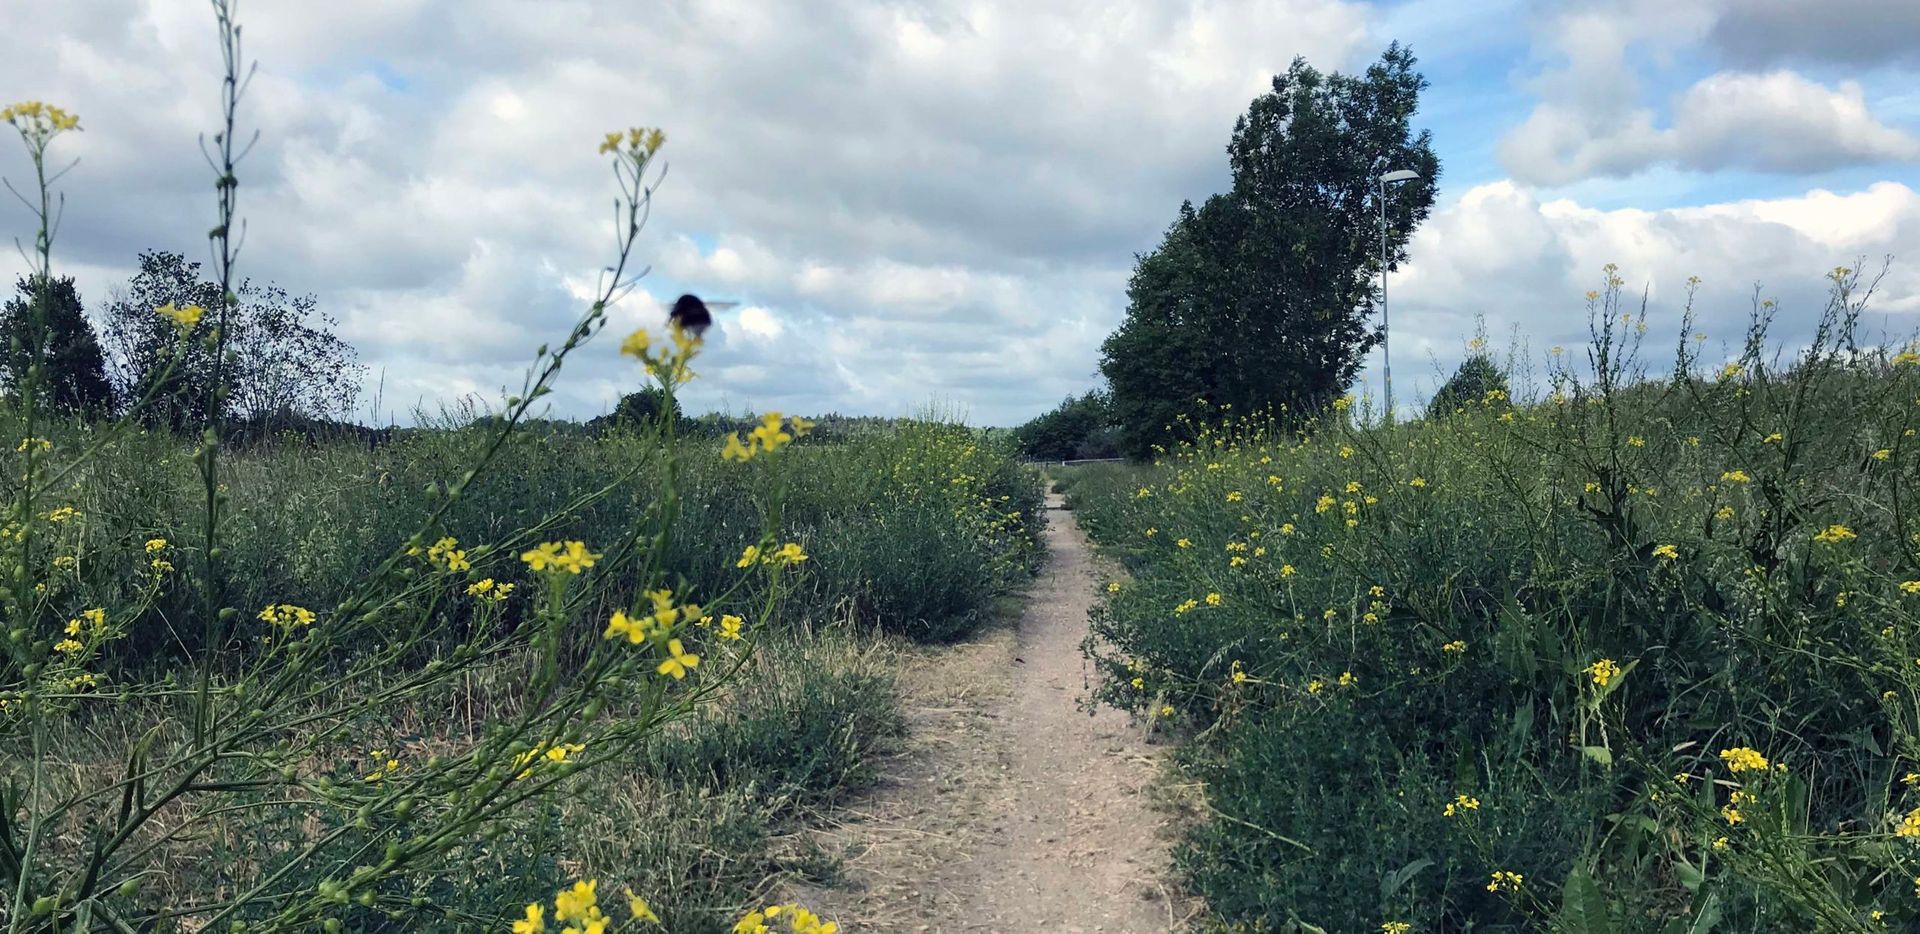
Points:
x=1010 y=809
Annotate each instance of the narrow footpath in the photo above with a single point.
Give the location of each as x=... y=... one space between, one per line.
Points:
x=1009 y=808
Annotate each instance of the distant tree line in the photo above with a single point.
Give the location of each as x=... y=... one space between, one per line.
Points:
x=1079 y=428
x=284 y=368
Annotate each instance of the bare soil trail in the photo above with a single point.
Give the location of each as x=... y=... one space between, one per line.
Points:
x=1009 y=807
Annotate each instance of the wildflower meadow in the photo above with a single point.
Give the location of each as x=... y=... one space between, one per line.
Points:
x=473 y=676
x=1630 y=648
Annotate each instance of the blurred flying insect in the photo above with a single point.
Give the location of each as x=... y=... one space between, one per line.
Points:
x=694 y=315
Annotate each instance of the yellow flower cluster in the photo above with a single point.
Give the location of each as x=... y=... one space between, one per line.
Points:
x=527 y=761
x=1835 y=534
x=1603 y=671
x=1909 y=826
x=658 y=626
x=560 y=557
x=183 y=317
x=38 y=122
x=578 y=909
x=1730 y=812
x=89 y=625
x=671 y=367
x=489 y=590
x=1743 y=759
x=387 y=765
x=287 y=616
x=1504 y=881
x=446 y=553
x=786 y=555
x=638 y=141
x=792 y=917
x=768 y=438
x=1462 y=804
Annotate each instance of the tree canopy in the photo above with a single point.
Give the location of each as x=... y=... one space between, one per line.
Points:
x=51 y=326
x=1079 y=428
x=284 y=363
x=1471 y=384
x=1261 y=298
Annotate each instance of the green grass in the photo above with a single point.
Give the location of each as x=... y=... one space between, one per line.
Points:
x=1417 y=616
x=917 y=531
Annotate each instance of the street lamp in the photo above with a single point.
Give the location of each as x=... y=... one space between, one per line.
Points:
x=1391 y=178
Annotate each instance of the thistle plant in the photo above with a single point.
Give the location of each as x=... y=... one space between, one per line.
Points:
x=272 y=728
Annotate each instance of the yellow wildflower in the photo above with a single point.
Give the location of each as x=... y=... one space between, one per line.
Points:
x=1743 y=759
x=679 y=661
x=567 y=557
x=634 y=628
x=534 y=923
x=287 y=616
x=183 y=317
x=1909 y=826
x=640 y=909
x=576 y=903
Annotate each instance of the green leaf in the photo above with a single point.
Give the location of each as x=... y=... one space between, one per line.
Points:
x=1400 y=877
x=1583 y=907
x=1706 y=913
x=1689 y=875
x=1600 y=754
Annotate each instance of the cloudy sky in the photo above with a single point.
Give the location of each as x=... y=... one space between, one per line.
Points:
x=938 y=201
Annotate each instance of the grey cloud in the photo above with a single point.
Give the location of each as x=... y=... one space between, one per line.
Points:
x=1761 y=34
x=1593 y=119
x=931 y=198
x=1525 y=265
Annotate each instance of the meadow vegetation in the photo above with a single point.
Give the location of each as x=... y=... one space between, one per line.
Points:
x=456 y=677
x=1637 y=652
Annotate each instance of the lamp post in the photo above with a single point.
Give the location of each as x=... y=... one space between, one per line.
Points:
x=1391 y=178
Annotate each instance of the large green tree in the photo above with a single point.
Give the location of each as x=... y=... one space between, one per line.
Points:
x=1262 y=298
x=49 y=326
x=285 y=366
